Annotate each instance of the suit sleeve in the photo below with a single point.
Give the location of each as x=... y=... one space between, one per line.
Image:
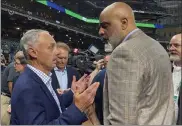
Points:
x=77 y=74
x=74 y=72
x=66 y=98
x=125 y=73
x=33 y=112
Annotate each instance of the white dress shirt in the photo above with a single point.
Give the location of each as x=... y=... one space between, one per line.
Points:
x=176 y=82
x=47 y=81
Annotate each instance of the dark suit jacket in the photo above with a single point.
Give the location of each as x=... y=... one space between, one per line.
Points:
x=70 y=73
x=99 y=95
x=32 y=103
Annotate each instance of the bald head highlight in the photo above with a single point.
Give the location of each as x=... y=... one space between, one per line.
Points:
x=120 y=10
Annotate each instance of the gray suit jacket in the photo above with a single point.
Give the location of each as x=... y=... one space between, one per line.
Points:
x=138 y=86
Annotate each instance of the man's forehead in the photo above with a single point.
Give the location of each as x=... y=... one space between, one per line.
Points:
x=108 y=10
x=62 y=51
x=107 y=16
x=175 y=40
x=104 y=19
x=62 y=54
x=106 y=13
x=46 y=37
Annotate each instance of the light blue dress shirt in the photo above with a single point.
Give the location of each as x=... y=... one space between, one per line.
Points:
x=130 y=34
x=62 y=78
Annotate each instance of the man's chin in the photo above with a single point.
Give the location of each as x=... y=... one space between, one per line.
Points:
x=53 y=65
x=114 y=42
x=175 y=58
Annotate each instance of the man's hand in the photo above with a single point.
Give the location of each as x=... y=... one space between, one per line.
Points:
x=9 y=109
x=91 y=115
x=80 y=85
x=99 y=64
x=85 y=99
x=60 y=91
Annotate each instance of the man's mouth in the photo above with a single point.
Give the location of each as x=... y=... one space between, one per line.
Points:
x=172 y=53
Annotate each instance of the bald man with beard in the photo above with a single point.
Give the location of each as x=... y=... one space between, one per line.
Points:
x=138 y=87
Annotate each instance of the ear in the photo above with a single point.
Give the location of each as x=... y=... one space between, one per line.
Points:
x=32 y=52
x=124 y=23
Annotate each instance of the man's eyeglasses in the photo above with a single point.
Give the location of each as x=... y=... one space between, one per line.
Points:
x=17 y=63
x=175 y=45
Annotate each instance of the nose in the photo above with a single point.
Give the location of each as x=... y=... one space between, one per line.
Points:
x=101 y=31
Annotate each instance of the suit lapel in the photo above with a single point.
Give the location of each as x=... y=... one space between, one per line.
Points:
x=49 y=95
x=55 y=83
x=61 y=102
x=69 y=75
x=42 y=85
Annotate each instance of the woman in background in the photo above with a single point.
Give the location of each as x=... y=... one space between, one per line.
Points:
x=19 y=64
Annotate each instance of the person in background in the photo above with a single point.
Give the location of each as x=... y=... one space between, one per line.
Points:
x=138 y=88
x=99 y=95
x=11 y=53
x=19 y=64
x=99 y=66
x=175 y=57
x=6 y=52
x=62 y=75
x=3 y=63
x=6 y=89
x=92 y=116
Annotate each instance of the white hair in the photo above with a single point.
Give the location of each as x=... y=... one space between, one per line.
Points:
x=30 y=38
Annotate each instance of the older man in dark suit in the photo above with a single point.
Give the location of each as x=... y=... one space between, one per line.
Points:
x=62 y=74
x=138 y=89
x=33 y=99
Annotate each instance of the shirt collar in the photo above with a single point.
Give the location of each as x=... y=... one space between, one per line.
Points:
x=45 y=78
x=130 y=34
x=176 y=67
x=57 y=69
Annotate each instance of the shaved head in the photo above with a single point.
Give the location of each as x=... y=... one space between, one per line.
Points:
x=116 y=22
x=175 y=48
x=120 y=10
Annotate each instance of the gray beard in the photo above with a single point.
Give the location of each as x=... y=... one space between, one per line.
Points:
x=114 y=41
x=175 y=58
